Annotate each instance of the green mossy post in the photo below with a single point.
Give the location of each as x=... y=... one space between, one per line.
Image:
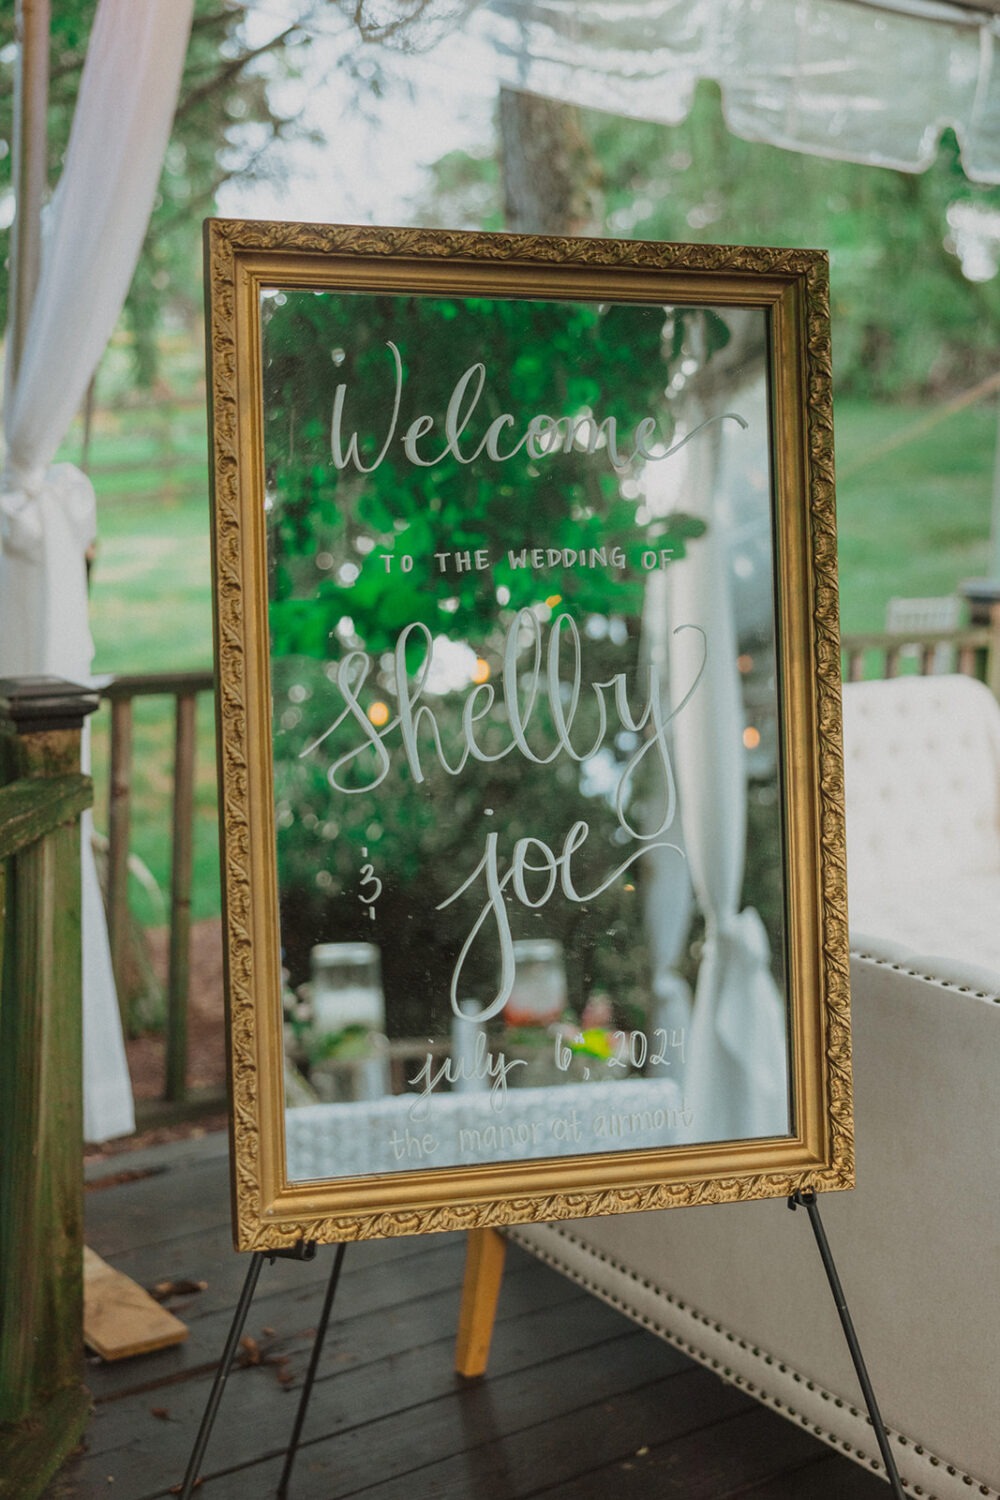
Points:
x=43 y=1401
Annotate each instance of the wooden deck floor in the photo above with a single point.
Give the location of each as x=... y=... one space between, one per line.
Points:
x=579 y=1403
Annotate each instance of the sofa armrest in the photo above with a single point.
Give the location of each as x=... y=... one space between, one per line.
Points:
x=917 y=1244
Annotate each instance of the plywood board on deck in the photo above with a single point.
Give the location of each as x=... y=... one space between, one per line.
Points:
x=120 y=1318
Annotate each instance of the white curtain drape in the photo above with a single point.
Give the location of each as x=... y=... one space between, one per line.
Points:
x=668 y=900
x=736 y=1072
x=92 y=236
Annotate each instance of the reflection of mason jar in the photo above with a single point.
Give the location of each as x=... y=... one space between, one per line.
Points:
x=346 y=987
x=539 y=993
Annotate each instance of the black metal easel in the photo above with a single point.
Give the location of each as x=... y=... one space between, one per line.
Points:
x=302 y=1250
x=306 y=1250
x=807 y=1200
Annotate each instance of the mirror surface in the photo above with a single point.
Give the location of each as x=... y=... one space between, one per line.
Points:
x=525 y=728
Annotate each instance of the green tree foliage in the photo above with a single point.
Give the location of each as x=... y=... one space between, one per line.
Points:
x=224 y=124
x=595 y=353
x=907 y=322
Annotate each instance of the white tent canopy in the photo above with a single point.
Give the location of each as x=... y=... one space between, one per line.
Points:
x=872 y=81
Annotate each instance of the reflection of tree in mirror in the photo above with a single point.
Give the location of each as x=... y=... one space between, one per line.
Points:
x=474 y=565
x=571 y=358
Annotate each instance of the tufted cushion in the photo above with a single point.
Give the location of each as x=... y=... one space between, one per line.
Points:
x=922 y=789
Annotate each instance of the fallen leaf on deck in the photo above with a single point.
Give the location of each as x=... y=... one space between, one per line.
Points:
x=183 y=1288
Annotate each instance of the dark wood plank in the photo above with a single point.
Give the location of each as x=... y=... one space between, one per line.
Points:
x=719 y=1460
x=283 y=1326
x=578 y=1403
x=119 y=821
x=401 y=1452
x=207 y=1255
x=828 y=1477
x=146 y=684
x=376 y=1274
x=41 y=1125
x=288 y=1299
x=31 y=808
x=43 y=1405
x=401 y=1404
x=158 y=1208
x=5 y=865
x=182 y=866
x=169 y=1157
x=563 y=1446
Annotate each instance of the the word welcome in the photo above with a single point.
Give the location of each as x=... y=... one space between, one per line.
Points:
x=542 y=437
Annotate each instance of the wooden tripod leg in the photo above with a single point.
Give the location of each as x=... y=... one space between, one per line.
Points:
x=485 y=1250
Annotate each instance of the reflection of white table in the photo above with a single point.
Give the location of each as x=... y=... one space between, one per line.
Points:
x=406 y=1131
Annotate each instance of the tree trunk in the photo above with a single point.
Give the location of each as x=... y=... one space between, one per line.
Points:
x=30 y=143
x=551 y=178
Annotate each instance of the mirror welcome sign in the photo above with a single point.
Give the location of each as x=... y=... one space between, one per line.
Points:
x=529 y=717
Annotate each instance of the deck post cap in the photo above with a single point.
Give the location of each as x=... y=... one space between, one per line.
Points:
x=33 y=705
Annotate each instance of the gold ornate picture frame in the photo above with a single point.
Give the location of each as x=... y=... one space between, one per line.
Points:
x=529 y=727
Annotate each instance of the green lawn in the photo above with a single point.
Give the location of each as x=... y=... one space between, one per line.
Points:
x=913 y=520
x=151 y=611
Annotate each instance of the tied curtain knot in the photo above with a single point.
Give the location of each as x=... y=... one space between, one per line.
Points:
x=48 y=519
x=33 y=499
x=740 y=938
x=20 y=516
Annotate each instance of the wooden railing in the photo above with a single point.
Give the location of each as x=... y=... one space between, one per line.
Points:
x=43 y=1403
x=973 y=651
x=121 y=693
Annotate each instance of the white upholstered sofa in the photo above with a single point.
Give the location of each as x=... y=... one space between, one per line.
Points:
x=922 y=783
x=917 y=1243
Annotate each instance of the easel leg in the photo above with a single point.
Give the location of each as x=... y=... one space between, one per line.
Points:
x=807 y=1201
x=485 y=1252
x=317 y=1350
x=222 y=1372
